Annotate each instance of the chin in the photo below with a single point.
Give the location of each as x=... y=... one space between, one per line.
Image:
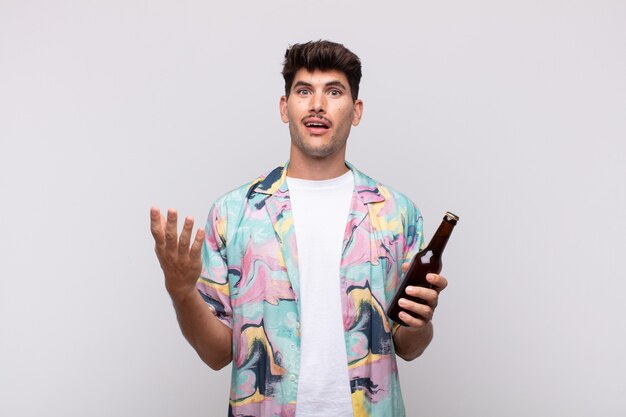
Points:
x=321 y=147
x=319 y=153
x=315 y=147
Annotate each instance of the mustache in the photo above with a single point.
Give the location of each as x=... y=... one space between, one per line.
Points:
x=317 y=116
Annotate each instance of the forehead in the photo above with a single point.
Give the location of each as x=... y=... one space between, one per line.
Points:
x=320 y=77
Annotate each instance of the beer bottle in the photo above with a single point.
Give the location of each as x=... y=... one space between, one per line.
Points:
x=427 y=261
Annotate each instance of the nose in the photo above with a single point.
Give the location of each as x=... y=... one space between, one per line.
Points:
x=318 y=103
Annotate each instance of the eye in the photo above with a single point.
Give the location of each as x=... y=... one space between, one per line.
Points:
x=335 y=92
x=303 y=92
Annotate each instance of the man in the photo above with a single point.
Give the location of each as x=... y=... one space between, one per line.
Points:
x=297 y=267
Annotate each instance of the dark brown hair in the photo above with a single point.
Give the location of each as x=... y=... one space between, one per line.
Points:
x=324 y=56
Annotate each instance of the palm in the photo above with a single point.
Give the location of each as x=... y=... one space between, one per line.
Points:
x=181 y=263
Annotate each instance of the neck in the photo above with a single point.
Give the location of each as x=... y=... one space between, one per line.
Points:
x=316 y=169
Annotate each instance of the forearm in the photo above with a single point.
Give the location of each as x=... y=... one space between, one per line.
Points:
x=211 y=338
x=411 y=342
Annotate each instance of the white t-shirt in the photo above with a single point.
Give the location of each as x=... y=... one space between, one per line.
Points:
x=320 y=212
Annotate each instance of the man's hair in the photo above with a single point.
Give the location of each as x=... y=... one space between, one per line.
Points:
x=324 y=56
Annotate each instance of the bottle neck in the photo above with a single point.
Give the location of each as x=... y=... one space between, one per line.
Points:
x=440 y=238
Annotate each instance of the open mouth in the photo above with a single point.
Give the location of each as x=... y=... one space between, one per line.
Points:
x=316 y=125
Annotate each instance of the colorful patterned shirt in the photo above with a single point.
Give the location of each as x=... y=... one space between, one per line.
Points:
x=250 y=282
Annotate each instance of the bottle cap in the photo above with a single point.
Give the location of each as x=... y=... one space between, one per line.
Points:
x=452 y=218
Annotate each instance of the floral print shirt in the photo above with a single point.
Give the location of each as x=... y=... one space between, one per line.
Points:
x=250 y=282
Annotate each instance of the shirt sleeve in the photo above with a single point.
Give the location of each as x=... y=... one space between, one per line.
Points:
x=413 y=232
x=213 y=283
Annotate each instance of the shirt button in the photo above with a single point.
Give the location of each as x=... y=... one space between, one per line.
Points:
x=292 y=378
x=293 y=346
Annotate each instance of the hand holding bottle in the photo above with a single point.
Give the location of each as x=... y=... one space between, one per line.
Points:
x=423 y=313
x=416 y=305
x=420 y=276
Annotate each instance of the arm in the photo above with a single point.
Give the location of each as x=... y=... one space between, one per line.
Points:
x=211 y=338
x=411 y=341
x=181 y=266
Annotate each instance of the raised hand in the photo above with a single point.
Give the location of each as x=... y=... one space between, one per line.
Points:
x=181 y=263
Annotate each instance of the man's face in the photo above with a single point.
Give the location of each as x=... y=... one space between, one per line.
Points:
x=320 y=112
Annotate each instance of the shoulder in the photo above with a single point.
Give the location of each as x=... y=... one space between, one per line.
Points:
x=396 y=210
x=399 y=212
x=402 y=207
x=235 y=199
x=388 y=195
x=397 y=197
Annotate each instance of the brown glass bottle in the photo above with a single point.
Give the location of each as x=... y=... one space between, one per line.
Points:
x=426 y=261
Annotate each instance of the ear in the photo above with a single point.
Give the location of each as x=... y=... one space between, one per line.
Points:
x=358 y=112
x=284 y=114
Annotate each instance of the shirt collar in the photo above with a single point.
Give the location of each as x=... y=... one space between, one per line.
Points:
x=275 y=183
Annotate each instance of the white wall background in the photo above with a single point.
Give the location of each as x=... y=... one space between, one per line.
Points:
x=510 y=113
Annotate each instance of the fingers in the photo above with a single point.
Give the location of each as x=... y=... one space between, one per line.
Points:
x=438 y=281
x=195 y=253
x=165 y=234
x=156 y=226
x=411 y=321
x=430 y=296
x=171 y=230
x=185 y=235
x=421 y=310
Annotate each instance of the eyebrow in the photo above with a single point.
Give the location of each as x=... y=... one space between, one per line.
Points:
x=335 y=83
